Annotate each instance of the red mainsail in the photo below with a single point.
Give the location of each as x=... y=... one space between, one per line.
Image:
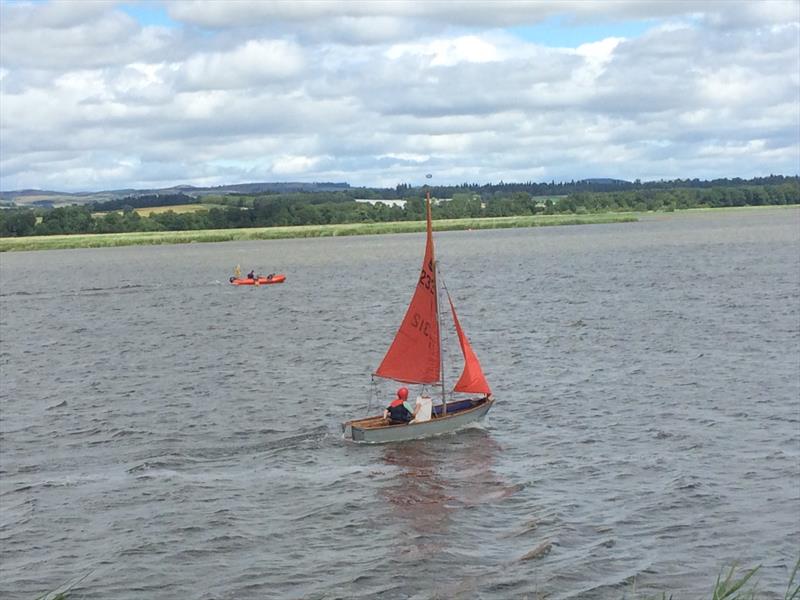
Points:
x=472 y=379
x=414 y=355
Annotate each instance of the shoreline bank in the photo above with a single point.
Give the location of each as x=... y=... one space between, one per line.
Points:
x=109 y=240
x=145 y=238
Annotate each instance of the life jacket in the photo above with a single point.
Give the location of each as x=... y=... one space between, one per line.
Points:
x=398 y=411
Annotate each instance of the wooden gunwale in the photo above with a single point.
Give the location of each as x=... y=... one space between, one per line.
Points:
x=377 y=422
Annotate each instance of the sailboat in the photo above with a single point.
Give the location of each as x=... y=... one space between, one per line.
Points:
x=415 y=357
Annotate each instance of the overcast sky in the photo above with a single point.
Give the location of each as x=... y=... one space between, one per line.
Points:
x=101 y=95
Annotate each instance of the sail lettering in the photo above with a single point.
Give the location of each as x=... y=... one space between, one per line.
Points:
x=419 y=323
x=414 y=355
x=427 y=281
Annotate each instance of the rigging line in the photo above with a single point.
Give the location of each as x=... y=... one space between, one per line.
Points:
x=439 y=322
x=445 y=344
x=444 y=285
x=371 y=393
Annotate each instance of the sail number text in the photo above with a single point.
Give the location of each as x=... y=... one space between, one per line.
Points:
x=427 y=281
x=421 y=324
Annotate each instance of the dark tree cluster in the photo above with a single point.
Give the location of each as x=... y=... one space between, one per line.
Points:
x=273 y=209
x=145 y=201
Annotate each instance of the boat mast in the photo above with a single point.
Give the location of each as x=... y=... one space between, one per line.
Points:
x=441 y=354
x=438 y=311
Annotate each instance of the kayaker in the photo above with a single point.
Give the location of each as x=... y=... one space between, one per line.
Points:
x=251 y=274
x=397 y=412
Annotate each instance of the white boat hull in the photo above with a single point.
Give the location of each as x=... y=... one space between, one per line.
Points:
x=373 y=430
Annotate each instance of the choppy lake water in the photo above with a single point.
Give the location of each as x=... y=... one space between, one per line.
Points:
x=179 y=437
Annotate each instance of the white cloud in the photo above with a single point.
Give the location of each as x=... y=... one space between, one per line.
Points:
x=223 y=14
x=252 y=63
x=746 y=15
x=65 y=14
x=350 y=91
x=406 y=157
x=293 y=165
x=446 y=53
x=68 y=35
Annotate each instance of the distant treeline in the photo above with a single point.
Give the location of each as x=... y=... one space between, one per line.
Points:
x=332 y=207
x=599 y=185
x=330 y=192
x=146 y=201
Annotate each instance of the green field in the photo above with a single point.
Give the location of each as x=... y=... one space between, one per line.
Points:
x=177 y=209
x=104 y=240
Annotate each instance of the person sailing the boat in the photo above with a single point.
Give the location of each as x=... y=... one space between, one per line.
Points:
x=397 y=411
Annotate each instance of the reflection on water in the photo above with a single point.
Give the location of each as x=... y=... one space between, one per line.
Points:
x=418 y=494
x=440 y=496
x=479 y=483
x=438 y=477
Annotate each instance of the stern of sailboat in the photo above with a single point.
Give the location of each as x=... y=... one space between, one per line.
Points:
x=460 y=413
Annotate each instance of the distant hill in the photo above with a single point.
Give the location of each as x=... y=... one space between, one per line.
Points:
x=604 y=181
x=49 y=198
x=55 y=198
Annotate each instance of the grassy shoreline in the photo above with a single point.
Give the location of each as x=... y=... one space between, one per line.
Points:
x=107 y=240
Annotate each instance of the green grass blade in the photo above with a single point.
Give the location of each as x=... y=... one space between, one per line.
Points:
x=62 y=591
x=790 y=593
x=730 y=586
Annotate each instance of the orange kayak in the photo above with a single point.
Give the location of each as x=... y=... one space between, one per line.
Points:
x=261 y=280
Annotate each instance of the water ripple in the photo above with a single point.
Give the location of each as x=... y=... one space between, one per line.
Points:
x=183 y=438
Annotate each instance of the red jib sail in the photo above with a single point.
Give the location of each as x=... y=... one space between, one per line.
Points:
x=472 y=379
x=414 y=356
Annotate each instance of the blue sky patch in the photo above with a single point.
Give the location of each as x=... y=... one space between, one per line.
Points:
x=558 y=32
x=149 y=13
